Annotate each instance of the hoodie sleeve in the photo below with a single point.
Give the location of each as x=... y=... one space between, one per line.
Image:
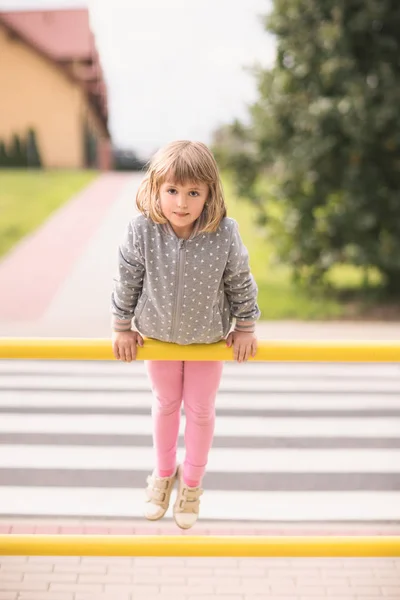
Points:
x=128 y=282
x=240 y=287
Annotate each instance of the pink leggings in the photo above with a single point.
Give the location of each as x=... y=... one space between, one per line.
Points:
x=196 y=383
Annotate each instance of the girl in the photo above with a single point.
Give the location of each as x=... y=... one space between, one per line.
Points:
x=183 y=277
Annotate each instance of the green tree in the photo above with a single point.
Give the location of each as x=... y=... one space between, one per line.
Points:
x=32 y=151
x=18 y=152
x=3 y=155
x=327 y=121
x=90 y=147
x=234 y=148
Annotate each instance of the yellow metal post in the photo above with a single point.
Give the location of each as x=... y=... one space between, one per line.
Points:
x=211 y=546
x=274 y=351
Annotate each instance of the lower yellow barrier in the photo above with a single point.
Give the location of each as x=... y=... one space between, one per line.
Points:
x=292 y=351
x=211 y=546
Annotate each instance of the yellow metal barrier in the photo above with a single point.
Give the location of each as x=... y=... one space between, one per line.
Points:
x=228 y=546
x=274 y=351
x=211 y=546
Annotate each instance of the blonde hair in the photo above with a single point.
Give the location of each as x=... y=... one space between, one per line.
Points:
x=182 y=162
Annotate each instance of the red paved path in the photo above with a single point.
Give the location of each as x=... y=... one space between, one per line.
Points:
x=41 y=261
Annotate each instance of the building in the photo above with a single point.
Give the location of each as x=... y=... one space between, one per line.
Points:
x=51 y=81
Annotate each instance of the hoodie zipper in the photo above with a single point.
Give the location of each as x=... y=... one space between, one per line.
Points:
x=179 y=297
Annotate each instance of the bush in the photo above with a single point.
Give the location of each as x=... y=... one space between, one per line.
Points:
x=20 y=152
x=32 y=151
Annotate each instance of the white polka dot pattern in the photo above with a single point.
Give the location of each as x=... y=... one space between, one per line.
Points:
x=183 y=291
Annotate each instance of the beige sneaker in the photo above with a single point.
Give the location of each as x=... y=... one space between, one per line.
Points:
x=186 y=507
x=158 y=493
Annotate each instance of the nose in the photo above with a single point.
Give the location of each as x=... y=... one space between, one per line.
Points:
x=181 y=201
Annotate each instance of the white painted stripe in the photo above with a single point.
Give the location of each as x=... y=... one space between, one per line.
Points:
x=254 y=506
x=225 y=426
x=232 y=369
x=229 y=460
x=293 y=401
x=244 y=384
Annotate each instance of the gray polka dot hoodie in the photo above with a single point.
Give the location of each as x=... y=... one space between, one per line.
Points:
x=183 y=291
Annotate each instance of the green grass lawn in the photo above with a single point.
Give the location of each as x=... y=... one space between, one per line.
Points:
x=278 y=297
x=28 y=197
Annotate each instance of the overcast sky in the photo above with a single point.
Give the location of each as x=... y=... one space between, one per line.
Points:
x=175 y=69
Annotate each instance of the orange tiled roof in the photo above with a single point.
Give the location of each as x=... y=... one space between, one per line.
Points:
x=64 y=36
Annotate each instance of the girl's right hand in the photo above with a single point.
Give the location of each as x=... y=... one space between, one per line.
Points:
x=124 y=344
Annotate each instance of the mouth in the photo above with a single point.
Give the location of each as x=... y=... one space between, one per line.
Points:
x=181 y=214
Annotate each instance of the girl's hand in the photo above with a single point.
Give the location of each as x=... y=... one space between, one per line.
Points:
x=244 y=345
x=124 y=344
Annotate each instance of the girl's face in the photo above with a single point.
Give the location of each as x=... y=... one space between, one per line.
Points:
x=183 y=204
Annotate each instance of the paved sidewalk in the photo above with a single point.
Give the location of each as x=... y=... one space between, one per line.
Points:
x=101 y=578
x=58 y=279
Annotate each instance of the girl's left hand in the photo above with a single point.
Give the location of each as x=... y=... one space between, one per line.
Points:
x=244 y=345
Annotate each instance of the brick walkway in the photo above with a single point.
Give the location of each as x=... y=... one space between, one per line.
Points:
x=98 y=578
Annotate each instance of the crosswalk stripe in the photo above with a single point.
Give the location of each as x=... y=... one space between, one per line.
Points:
x=231 y=369
x=292 y=401
x=220 y=505
x=254 y=426
x=229 y=460
x=268 y=442
x=49 y=467
x=242 y=385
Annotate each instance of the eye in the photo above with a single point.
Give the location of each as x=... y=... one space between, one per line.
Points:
x=171 y=191
x=195 y=194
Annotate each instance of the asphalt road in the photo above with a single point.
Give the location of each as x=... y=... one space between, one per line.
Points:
x=302 y=442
